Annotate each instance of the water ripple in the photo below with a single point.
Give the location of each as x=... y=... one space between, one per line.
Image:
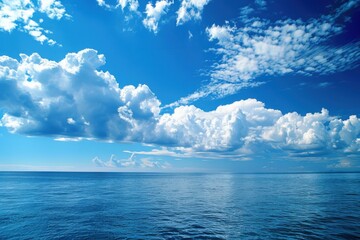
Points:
x=179 y=206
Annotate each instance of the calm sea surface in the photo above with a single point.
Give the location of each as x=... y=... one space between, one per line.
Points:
x=179 y=206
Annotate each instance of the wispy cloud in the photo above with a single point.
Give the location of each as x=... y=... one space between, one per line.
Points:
x=261 y=3
x=190 y=35
x=182 y=152
x=131 y=162
x=18 y=14
x=114 y=162
x=342 y=164
x=323 y=84
x=264 y=48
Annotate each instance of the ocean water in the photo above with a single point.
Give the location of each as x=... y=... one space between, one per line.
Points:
x=40 y=205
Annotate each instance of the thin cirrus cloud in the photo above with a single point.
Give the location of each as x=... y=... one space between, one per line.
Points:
x=18 y=14
x=264 y=48
x=72 y=99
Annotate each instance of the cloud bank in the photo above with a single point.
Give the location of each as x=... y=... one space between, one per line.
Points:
x=72 y=99
x=264 y=48
x=19 y=14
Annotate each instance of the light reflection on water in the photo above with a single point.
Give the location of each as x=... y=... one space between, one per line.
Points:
x=178 y=206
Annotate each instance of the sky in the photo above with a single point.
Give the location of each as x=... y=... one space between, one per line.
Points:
x=180 y=86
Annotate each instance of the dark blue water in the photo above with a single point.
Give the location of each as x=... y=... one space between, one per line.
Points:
x=179 y=206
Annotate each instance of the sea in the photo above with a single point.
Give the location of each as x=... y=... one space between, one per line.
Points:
x=69 y=205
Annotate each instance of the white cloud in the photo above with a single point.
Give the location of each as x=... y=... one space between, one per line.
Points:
x=154 y=13
x=324 y=84
x=71 y=121
x=114 y=162
x=190 y=9
x=130 y=11
x=52 y=8
x=131 y=5
x=261 y=3
x=102 y=3
x=40 y=96
x=219 y=130
x=71 y=99
x=344 y=163
x=13 y=11
x=248 y=128
x=18 y=14
x=190 y=35
x=264 y=48
x=131 y=162
x=149 y=163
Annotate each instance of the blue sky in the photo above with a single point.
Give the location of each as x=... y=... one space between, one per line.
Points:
x=185 y=85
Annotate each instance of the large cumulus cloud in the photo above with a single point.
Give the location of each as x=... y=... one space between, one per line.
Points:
x=73 y=99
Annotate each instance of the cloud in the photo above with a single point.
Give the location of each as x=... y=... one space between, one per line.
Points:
x=323 y=84
x=148 y=163
x=190 y=35
x=72 y=99
x=129 y=9
x=246 y=128
x=113 y=162
x=190 y=9
x=220 y=130
x=52 y=8
x=264 y=48
x=181 y=152
x=131 y=5
x=17 y=14
x=260 y=3
x=342 y=164
x=154 y=13
x=102 y=3
x=131 y=162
